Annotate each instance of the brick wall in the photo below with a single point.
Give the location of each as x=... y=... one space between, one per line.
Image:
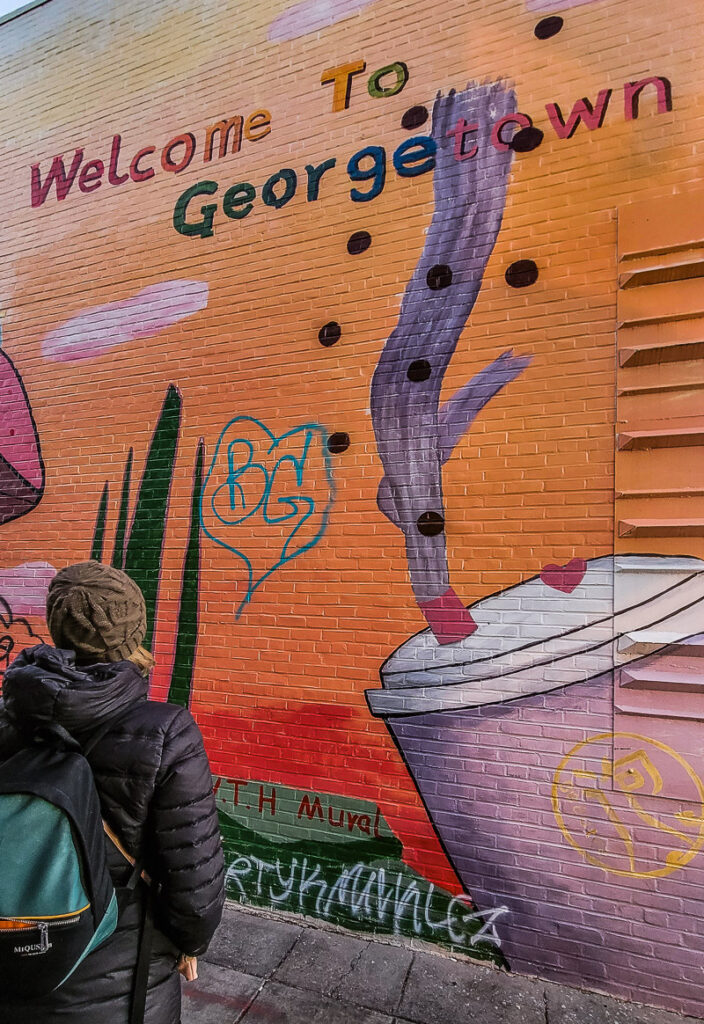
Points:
x=462 y=704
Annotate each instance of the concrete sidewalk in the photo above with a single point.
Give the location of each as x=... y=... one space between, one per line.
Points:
x=265 y=970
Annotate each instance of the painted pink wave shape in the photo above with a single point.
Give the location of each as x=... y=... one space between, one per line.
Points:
x=100 y=329
x=21 y=468
x=24 y=587
x=311 y=15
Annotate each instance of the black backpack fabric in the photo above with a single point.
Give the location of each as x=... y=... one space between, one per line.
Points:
x=156 y=792
x=57 y=901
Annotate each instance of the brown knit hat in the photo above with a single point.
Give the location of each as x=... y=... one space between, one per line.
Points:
x=96 y=611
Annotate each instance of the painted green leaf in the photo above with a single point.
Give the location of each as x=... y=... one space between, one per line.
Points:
x=187 y=638
x=146 y=539
x=118 y=552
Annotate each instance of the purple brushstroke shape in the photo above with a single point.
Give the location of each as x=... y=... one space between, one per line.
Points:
x=97 y=330
x=311 y=15
x=414 y=436
x=459 y=412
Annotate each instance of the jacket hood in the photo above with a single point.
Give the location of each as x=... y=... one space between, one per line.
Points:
x=43 y=686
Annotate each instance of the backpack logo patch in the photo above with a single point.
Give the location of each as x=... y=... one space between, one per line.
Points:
x=36 y=948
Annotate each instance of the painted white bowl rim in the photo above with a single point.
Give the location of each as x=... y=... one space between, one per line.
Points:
x=532 y=638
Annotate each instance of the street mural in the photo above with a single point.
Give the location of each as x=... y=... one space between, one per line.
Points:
x=321 y=352
x=21 y=465
x=97 y=330
x=240 y=484
x=15 y=634
x=414 y=436
x=338 y=860
x=22 y=480
x=139 y=534
x=630 y=807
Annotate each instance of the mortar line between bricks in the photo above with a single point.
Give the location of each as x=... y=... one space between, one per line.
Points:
x=335 y=992
x=405 y=983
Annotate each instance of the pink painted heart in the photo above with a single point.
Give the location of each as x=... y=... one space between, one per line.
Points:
x=564 y=577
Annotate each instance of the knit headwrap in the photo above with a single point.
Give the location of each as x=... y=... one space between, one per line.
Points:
x=96 y=611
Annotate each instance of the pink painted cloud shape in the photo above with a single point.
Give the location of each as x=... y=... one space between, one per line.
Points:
x=100 y=329
x=311 y=15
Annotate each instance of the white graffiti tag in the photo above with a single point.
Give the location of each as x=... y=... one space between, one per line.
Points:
x=370 y=894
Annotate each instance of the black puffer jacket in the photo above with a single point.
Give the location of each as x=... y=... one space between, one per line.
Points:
x=155 y=787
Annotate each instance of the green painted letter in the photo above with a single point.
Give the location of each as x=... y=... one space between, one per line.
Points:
x=203 y=227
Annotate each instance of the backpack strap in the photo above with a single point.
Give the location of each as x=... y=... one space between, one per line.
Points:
x=140 y=981
x=137 y=869
x=49 y=733
x=86 y=749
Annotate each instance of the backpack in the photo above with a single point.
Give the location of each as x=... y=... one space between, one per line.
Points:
x=57 y=901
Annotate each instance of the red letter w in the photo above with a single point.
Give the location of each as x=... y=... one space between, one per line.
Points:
x=593 y=117
x=58 y=174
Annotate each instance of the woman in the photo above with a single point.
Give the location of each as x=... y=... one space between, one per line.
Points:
x=155 y=788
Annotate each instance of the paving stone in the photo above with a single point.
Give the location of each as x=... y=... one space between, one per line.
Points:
x=218 y=996
x=254 y=945
x=282 y=1004
x=319 y=961
x=440 y=990
x=569 y=1006
x=377 y=977
x=319 y=977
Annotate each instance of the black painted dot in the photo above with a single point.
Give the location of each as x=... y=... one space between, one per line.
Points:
x=521 y=274
x=430 y=524
x=338 y=442
x=358 y=242
x=329 y=334
x=418 y=370
x=548 y=27
x=526 y=139
x=439 y=276
x=414 y=118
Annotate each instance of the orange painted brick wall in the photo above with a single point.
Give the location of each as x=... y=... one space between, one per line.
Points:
x=232 y=319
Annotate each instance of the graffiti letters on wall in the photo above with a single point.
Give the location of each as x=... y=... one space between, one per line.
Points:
x=337 y=860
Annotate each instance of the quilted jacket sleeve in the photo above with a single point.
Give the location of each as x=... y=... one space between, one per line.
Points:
x=188 y=858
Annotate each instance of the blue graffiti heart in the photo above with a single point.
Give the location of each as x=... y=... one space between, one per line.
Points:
x=255 y=476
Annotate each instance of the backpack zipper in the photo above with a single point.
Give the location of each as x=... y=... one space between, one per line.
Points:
x=27 y=925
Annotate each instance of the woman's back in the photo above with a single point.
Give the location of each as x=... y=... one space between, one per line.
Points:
x=155 y=789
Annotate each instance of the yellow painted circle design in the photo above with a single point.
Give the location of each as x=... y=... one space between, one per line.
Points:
x=638 y=815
